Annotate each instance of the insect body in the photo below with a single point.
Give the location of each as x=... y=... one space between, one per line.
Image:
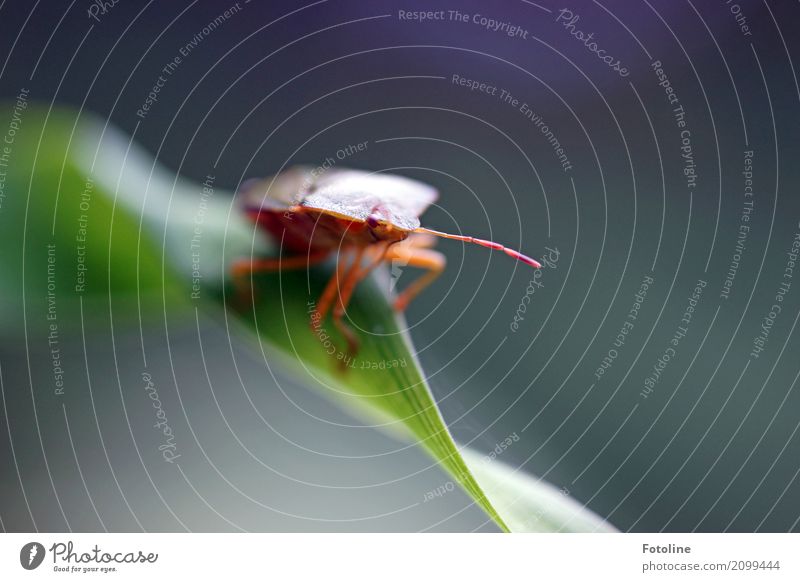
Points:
x=363 y=218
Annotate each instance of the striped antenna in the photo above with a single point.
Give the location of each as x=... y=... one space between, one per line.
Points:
x=484 y=243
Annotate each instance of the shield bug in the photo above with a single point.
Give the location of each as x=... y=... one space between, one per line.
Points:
x=362 y=218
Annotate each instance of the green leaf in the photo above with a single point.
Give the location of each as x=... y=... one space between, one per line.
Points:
x=58 y=156
x=528 y=504
x=383 y=375
x=62 y=238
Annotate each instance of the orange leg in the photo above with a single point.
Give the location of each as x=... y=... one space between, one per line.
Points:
x=242 y=269
x=343 y=272
x=421 y=258
x=346 y=293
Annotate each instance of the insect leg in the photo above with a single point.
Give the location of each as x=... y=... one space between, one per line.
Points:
x=242 y=269
x=329 y=294
x=346 y=293
x=421 y=258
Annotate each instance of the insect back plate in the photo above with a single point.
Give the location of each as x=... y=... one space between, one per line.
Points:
x=356 y=194
x=276 y=193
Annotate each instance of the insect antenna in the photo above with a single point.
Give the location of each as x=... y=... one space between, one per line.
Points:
x=484 y=243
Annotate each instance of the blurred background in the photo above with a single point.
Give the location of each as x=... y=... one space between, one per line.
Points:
x=646 y=149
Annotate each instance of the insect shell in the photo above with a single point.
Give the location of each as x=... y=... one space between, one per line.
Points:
x=364 y=218
x=345 y=208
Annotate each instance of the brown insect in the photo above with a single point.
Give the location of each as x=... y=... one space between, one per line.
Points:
x=365 y=217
